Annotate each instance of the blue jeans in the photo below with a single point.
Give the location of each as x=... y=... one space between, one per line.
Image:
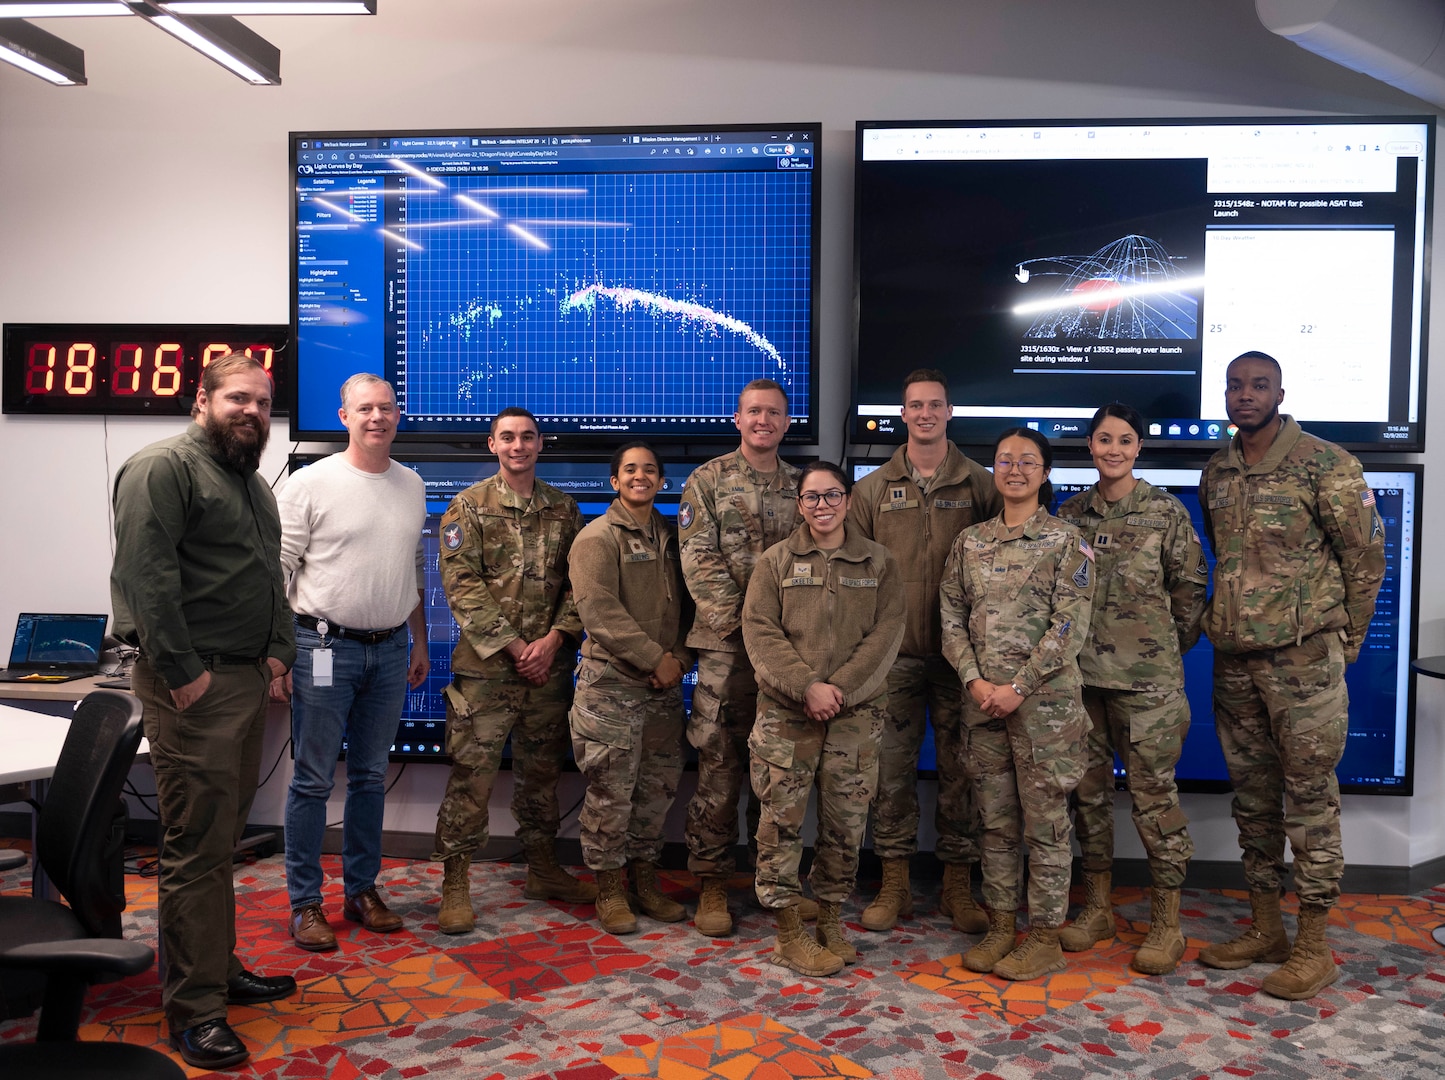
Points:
x=362 y=705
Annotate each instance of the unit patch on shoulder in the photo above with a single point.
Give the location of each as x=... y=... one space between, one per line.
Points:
x=684 y=514
x=452 y=536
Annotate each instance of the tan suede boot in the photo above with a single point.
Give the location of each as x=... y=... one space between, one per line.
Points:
x=1263 y=942
x=894 y=899
x=1037 y=955
x=956 y=900
x=1095 y=921
x=650 y=898
x=613 y=911
x=456 y=915
x=1311 y=966
x=713 y=918
x=830 y=932
x=1163 y=947
x=546 y=880
x=996 y=944
x=796 y=950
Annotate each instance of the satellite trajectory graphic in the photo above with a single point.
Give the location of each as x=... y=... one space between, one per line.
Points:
x=1130 y=288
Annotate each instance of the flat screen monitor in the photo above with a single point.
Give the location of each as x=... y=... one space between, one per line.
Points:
x=616 y=281
x=1379 y=754
x=1048 y=267
x=421 y=735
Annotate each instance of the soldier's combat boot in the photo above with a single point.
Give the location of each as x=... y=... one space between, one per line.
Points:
x=894 y=899
x=650 y=898
x=613 y=911
x=546 y=880
x=712 y=918
x=1311 y=966
x=1263 y=942
x=1095 y=921
x=830 y=932
x=456 y=915
x=1163 y=946
x=797 y=950
x=956 y=900
x=996 y=944
x=1037 y=955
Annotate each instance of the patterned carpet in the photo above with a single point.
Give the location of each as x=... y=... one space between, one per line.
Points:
x=539 y=992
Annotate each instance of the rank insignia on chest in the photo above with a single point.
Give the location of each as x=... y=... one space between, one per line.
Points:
x=1103 y=540
x=452 y=537
x=1221 y=489
x=897 y=494
x=802 y=569
x=636 y=545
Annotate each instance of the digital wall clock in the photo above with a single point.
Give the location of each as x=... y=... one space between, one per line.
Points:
x=130 y=369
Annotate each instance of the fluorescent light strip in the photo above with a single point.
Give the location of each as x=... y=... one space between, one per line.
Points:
x=20 y=60
x=535 y=241
x=1110 y=295
x=278 y=7
x=87 y=8
x=336 y=209
x=407 y=167
x=178 y=29
x=487 y=211
x=401 y=239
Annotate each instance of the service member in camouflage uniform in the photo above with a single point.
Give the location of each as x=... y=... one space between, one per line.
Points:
x=504 y=546
x=1299 y=550
x=735 y=507
x=1150 y=595
x=627 y=718
x=822 y=622
x=1015 y=603
x=915 y=506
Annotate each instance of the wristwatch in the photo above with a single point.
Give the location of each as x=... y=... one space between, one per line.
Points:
x=1017 y=689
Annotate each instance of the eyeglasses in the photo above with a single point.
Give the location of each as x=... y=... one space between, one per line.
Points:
x=1024 y=465
x=810 y=499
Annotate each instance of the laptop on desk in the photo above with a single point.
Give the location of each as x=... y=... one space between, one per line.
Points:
x=55 y=648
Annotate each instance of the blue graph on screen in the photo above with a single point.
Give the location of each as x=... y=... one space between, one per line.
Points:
x=605 y=295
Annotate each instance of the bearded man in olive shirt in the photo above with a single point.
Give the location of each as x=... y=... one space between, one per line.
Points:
x=196 y=586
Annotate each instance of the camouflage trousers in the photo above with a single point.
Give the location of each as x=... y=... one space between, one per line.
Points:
x=627 y=739
x=1147 y=731
x=1023 y=767
x=481 y=713
x=1282 y=716
x=790 y=754
x=724 y=706
x=924 y=690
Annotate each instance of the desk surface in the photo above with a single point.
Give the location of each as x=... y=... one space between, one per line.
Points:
x=32 y=744
x=1434 y=666
x=73 y=690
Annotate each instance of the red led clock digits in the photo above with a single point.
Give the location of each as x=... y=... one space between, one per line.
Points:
x=166 y=382
x=40 y=369
x=125 y=369
x=79 y=368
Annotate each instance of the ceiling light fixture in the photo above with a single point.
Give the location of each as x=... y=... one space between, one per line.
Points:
x=34 y=50
x=59 y=9
x=229 y=43
x=270 y=7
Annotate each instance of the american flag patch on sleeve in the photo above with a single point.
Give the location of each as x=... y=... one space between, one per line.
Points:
x=1368 y=497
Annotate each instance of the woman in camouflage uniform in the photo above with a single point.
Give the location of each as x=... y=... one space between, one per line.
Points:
x=1015 y=609
x=1152 y=581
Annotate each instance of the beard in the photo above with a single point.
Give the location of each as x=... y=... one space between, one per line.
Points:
x=1259 y=425
x=239 y=441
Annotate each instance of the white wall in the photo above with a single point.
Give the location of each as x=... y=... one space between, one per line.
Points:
x=159 y=192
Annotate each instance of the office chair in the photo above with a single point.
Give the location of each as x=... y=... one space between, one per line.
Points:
x=50 y=953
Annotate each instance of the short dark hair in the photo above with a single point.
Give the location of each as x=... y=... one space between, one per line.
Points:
x=835 y=471
x=761 y=384
x=222 y=368
x=514 y=410
x=636 y=444
x=1119 y=411
x=925 y=374
x=1046 y=489
x=1255 y=354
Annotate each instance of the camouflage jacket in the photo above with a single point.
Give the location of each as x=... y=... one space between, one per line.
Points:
x=629 y=592
x=919 y=530
x=1153 y=579
x=1018 y=610
x=1298 y=544
x=730 y=514
x=834 y=616
x=504 y=568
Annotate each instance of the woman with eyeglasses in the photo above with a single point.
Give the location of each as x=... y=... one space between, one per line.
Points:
x=1147 y=607
x=1015 y=605
x=627 y=716
x=822 y=622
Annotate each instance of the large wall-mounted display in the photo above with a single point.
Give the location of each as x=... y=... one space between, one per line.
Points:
x=620 y=281
x=1380 y=751
x=1050 y=266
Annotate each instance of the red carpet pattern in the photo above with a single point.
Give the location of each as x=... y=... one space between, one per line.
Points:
x=539 y=992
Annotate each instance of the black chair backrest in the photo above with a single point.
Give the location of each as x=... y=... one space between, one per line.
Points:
x=77 y=837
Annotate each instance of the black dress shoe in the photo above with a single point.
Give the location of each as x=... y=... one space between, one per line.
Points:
x=248 y=988
x=210 y=1044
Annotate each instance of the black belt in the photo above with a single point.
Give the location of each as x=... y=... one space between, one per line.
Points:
x=216 y=660
x=366 y=637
